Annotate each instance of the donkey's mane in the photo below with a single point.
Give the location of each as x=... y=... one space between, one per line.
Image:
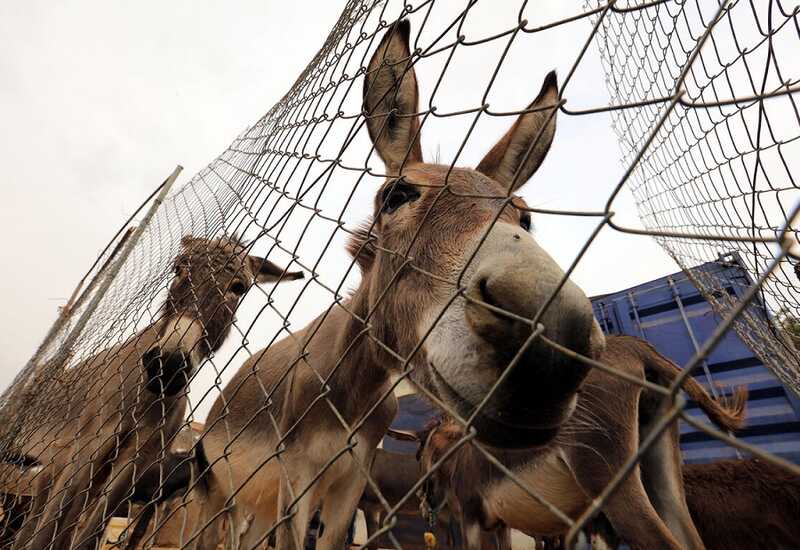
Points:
x=237 y=239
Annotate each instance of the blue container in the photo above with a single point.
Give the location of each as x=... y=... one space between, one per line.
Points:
x=671 y=314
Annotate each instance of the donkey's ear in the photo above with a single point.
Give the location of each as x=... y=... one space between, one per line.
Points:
x=268 y=272
x=519 y=153
x=391 y=97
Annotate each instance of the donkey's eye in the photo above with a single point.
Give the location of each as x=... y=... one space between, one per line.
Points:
x=525 y=221
x=398 y=194
x=238 y=288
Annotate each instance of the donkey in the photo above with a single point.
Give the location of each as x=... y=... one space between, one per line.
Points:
x=648 y=510
x=448 y=251
x=738 y=504
x=395 y=475
x=124 y=420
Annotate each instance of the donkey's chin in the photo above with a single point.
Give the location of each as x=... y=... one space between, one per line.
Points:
x=504 y=429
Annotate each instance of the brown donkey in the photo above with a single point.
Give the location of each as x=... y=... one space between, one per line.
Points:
x=395 y=475
x=747 y=504
x=125 y=418
x=744 y=504
x=425 y=267
x=648 y=510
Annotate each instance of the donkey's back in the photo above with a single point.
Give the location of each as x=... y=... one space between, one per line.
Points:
x=744 y=504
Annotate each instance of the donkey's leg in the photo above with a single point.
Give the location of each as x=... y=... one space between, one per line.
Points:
x=13 y=509
x=120 y=486
x=372 y=517
x=64 y=506
x=608 y=420
x=341 y=501
x=471 y=534
x=211 y=515
x=40 y=531
x=31 y=520
x=634 y=518
x=663 y=479
x=291 y=533
x=503 y=538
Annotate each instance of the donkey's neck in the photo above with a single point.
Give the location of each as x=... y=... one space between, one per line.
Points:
x=341 y=350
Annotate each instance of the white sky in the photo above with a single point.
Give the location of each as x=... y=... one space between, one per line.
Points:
x=99 y=102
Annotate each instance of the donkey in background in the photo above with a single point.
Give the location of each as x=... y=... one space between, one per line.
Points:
x=394 y=474
x=648 y=510
x=744 y=504
x=279 y=463
x=122 y=423
x=747 y=504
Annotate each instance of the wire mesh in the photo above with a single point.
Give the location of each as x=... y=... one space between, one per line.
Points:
x=301 y=376
x=724 y=162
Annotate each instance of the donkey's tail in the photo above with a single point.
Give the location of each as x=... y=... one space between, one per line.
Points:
x=727 y=412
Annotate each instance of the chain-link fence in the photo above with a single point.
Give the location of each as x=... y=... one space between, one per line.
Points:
x=724 y=162
x=413 y=272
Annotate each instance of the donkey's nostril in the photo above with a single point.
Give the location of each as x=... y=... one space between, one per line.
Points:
x=151 y=360
x=486 y=296
x=167 y=373
x=494 y=291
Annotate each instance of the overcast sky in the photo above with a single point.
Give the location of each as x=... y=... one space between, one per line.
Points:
x=100 y=101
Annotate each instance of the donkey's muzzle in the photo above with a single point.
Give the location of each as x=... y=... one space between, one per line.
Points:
x=520 y=303
x=166 y=373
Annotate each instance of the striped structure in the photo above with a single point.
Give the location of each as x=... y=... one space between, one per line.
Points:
x=671 y=314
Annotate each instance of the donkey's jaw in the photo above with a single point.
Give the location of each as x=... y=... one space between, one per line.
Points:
x=497 y=431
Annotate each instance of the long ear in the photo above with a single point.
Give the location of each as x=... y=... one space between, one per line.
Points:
x=390 y=95
x=519 y=150
x=268 y=272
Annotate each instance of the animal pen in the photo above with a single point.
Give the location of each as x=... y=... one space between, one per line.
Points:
x=495 y=336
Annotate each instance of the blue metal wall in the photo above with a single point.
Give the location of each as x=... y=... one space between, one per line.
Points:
x=671 y=314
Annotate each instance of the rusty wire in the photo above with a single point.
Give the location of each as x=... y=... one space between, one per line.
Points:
x=274 y=184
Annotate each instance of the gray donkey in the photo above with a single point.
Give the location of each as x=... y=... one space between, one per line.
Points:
x=127 y=403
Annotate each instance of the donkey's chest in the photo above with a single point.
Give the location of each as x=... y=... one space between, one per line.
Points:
x=317 y=464
x=550 y=479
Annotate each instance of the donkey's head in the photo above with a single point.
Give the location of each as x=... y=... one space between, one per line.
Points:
x=434 y=441
x=211 y=276
x=438 y=230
